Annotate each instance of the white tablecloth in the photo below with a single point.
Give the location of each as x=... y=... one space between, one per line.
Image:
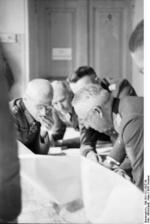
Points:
x=51 y=183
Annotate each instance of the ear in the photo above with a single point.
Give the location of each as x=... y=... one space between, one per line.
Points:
x=99 y=110
x=25 y=99
x=104 y=96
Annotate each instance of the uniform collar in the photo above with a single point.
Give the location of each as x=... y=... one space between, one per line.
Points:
x=115 y=105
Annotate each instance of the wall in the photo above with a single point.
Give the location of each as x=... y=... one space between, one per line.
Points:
x=138 y=79
x=83 y=27
x=13 y=21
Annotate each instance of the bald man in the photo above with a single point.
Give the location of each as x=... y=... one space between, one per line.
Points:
x=62 y=103
x=33 y=115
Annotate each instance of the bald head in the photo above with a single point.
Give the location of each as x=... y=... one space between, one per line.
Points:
x=61 y=90
x=39 y=89
x=38 y=97
x=62 y=96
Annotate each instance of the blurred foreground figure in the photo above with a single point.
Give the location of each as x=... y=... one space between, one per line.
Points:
x=33 y=115
x=10 y=192
x=136 y=46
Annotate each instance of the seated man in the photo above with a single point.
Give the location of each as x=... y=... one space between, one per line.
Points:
x=33 y=115
x=83 y=76
x=97 y=108
x=65 y=115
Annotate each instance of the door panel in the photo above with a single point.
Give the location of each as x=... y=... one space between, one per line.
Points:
x=61 y=41
x=108 y=37
x=61 y=37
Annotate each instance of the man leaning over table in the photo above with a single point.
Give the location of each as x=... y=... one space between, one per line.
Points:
x=104 y=109
x=97 y=108
x=81 y=77
x=33 y=115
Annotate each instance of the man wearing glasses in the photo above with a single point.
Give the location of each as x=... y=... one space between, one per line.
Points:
x=33 y=115
x=83 y=76
x=97 y=108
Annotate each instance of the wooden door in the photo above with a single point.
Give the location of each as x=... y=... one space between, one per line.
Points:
x=58 y=43
x=109 y=30
x=64 y=34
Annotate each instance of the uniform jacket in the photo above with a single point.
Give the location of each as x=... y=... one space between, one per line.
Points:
x=28 y=129
x=131 y=134
x=89 y=136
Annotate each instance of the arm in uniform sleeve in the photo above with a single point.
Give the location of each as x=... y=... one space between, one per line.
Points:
x=132 y=135
x=118 y=152
x=10 y=190
x=59 y=127
x=88 y=139
x=42 y=144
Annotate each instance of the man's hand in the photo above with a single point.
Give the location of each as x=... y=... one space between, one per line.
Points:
x=46 y=125
x=43 y=132
x=47 y=122
x=122 y=173
x=92 y=156
x=110 y=163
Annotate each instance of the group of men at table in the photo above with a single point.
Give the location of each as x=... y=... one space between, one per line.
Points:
x=100 y=109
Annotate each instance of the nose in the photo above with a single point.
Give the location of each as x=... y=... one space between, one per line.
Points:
x=86 y=124
x=43 y=111
x=60 y=106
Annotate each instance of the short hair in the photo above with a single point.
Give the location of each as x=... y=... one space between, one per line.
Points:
x=91 y=91
x=63 y=84
x=81 y=72
x=137 y=37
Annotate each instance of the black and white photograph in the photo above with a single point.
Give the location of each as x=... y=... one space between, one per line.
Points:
x=73 y=119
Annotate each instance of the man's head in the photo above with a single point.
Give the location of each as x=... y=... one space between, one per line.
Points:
x=38 y=98
x=136 y=45
x=93 y=105
x=82 y=76
x=62 y=97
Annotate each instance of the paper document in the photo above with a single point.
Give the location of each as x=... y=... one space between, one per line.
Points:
x=58 y=177
x=108 y=197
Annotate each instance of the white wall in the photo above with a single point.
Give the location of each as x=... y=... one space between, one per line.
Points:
x=13 y=21
x=138 y=79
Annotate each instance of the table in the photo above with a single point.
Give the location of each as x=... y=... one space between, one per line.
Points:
x=37 y=202
x=106 y=196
